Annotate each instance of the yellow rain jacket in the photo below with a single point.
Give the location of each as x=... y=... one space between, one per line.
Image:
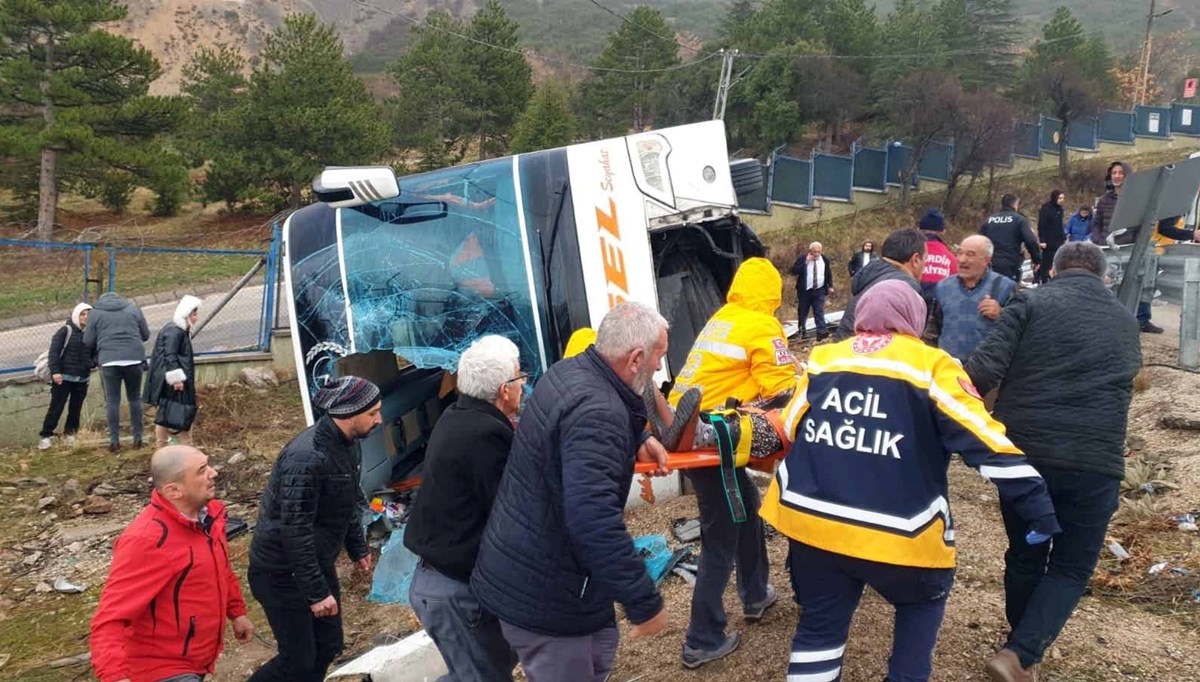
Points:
x=741 y=352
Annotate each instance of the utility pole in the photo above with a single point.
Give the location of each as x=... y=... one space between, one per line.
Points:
x=724 y=84
x=1143 y=86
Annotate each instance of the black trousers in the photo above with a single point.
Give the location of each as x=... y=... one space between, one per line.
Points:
x=307 y=644
x=69 y=394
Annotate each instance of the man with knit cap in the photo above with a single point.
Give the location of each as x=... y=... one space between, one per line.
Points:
x=308 y=513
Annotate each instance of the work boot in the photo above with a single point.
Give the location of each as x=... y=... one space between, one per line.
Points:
x=1006 y=667
x=114 y=448
x=137 y=443
x=755 y=612
x=1149 y=327
x=694 y=658
x=683 y=423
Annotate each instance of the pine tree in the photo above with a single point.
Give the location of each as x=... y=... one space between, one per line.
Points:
x=911 y=29
x=622 y=93
x=216 y=90
x=547 y=121
x=501 y=79
x=306 y=109
x=980 y=37
x=76 y=113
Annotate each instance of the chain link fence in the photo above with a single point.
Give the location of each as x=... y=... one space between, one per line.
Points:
x=45 y=280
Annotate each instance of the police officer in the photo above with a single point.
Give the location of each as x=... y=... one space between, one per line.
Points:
x=1009 y=231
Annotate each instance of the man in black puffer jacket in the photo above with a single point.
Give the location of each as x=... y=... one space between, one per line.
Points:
x=904 y=253
x=556 y=553
x=1065 y=407
x=309 y=511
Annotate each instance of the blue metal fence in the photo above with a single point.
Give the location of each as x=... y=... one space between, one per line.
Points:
x=833 y=176
x=1152 y=121
x=1185 y=119
x=798 y=182
x=83 y=271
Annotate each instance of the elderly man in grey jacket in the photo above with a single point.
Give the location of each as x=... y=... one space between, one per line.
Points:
x=117 y=332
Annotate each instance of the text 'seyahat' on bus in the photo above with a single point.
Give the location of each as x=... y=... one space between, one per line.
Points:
x=392 y=279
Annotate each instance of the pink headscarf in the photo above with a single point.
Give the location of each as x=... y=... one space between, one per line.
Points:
x=890 y=306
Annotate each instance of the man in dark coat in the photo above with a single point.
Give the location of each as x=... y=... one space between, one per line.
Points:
x=70 y=363
x=173 y=368
x=1050 y=232
x=308 y=513
x=1066 y=408
x=1009 y=230
x=556 y=553
x=116 y=333
x=903 y=258
x=464 y=461
x=814 y=282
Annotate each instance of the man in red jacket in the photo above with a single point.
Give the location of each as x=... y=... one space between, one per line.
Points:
x=162 y=612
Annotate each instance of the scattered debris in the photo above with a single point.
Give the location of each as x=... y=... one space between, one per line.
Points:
x=1117 y=550
x=47 y=502
x=64 y=586
x=95 y=504
x=33 y=559
x=686 y=530
x=78 y=659
x=688 y=576
x=43 y=588
x=1157 y=568
x=260 y=377
x=1179 y=570
x=1179 y=422
x=237 y=458
x=104 y=490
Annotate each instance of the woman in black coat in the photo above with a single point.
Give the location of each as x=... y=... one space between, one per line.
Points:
x=859 y=260
x=173 y=368
x=1050 y=233
x=71 y=364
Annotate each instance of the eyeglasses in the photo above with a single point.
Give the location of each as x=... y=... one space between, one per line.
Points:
x=519 y=377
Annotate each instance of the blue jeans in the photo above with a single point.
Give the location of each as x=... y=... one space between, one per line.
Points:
x=1043 y=583
x=724 y=543
x=828 y=587
x=466 y=634
x=129 y=376
x=813 y=300
x=1143 y=313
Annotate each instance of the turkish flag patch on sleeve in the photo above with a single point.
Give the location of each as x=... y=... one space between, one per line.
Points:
x=969 y=388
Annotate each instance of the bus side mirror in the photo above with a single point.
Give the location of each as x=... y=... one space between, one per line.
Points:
x=346 y=187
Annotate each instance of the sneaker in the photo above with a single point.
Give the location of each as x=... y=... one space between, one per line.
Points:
x=44 y=444
x=682 y=423
x=70 y=440
x=1006 y=667
x=755 y=612
x=694 y=658
x=1151 y=328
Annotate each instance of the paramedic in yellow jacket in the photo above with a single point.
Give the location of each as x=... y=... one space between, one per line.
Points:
x=862 y=493
x=741 y=353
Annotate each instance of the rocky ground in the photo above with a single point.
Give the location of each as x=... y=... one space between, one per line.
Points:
x=63 y=508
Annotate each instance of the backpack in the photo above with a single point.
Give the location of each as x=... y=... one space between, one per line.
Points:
x=41 y=366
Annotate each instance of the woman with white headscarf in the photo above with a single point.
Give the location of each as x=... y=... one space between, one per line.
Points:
x=70 y=363
x=173 y=374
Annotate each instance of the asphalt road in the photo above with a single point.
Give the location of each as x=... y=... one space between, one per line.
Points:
x=236 y=326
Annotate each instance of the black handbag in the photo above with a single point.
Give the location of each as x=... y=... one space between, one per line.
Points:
x=175 y=414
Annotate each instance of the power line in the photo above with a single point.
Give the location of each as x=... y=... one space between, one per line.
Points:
x=530 y=54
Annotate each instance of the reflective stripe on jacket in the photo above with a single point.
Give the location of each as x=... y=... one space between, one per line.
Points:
x=742 y=352
x=875 y=420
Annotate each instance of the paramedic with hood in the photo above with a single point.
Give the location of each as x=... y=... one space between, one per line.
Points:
x=308 y=513
x=556 y=553
x=741 y=353
x=1009 y=231
x=171 y=587
x=464 y=461
x=862 y=493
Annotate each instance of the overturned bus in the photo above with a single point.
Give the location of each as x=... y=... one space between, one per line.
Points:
x=392 y=279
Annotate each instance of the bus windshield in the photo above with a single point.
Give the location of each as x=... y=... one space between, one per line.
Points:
x=444 y=263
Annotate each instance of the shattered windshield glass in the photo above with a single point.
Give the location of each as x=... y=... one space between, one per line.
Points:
x=444 y=263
